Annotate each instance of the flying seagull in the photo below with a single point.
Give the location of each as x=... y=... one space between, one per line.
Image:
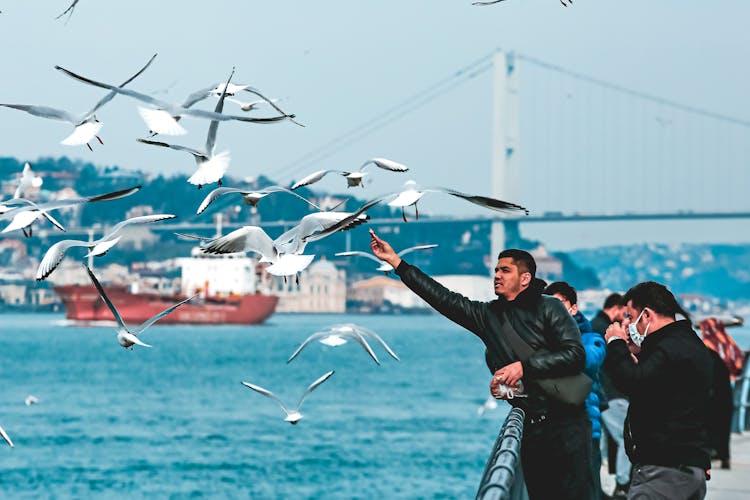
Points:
x=498 y=1
x=337 y=335
x=412 y=193
x=99 y=247
x=352 y=178
x=249 y=196
x=211 y=166
x=68 y=11
x=31 y=400
x=24 y=215
x=87 y=126
x=232 y=89
x=292 y=416
x=384 y=266
x=163 y=117
x=127 y=337
x=6 y=437
x=255 y=239
x=28 y=181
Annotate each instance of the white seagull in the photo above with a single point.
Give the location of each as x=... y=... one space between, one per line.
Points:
x=352 y=178
x=319 y=225
x=28 y=180
x=126 y=337
x=24 y=215
x=6 y=437
x=292 y=416
x=97 y=248
x=251 y=105
x=249 y=196
x=31 y=400
x=489 y=404
x=384 y=266
x=337 y=335
x=412 y=193
x=255 y=239
x=87 y=126
x=211 y=166
x=163 y=117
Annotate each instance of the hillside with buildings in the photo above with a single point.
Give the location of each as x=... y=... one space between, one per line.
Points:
x=150 y=258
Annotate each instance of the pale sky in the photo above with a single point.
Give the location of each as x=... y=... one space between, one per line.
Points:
x=337 y=64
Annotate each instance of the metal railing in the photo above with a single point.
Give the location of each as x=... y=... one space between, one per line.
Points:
x=741 y=393
x=503 y=477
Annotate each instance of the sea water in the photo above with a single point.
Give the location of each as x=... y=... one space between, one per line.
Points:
x=174 y=421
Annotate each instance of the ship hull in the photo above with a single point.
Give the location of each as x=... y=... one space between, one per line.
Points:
x=82 y=303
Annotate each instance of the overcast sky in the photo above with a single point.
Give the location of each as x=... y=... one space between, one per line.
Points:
x=336 y=64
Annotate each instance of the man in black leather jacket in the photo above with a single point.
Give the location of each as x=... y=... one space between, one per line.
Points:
x=556 y=448
x=669 y=384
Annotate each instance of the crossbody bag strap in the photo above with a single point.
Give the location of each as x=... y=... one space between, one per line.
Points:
x=521 y=348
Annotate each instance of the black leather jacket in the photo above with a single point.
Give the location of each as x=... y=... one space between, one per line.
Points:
x=541 y=321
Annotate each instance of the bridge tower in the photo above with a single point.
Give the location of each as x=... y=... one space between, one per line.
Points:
x=506 y=152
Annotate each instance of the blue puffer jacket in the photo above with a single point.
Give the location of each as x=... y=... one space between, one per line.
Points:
x=596 y=350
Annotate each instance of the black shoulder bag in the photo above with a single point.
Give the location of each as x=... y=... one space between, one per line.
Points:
x=572 y=389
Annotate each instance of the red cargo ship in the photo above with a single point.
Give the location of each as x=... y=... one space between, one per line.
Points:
x=227 y=284
x=82 y=303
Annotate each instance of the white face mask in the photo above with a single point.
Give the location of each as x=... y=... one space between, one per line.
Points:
x=635 y=335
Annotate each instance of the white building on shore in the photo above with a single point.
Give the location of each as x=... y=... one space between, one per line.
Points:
x=321 y=289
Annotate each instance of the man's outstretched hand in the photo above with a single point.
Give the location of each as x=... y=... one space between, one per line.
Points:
x=383 y=251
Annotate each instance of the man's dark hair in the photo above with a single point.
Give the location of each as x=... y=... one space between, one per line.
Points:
x=521 y=259
x=655 y=296
x=614 y=300
x=563 y=289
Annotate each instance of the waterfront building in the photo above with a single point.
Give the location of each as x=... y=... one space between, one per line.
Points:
x=321 y=288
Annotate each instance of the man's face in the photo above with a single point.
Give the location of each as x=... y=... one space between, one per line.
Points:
x=619 y=313
x=630 y=314
x=509 y=280
x=572 y=308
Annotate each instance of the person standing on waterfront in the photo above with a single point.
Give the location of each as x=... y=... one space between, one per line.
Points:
x=596 y=350
x=555 y=448
x=613 y=417
x=669 y=385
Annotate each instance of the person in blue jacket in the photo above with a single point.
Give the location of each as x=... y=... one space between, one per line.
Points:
x=596 y=350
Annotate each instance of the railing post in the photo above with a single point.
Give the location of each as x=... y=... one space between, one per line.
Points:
x=502 y=474
x=741 y=402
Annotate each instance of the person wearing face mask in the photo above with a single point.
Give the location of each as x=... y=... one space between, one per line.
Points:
x=669 y=384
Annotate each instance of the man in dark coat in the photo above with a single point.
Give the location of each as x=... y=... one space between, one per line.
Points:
x=613 y=416
x=555 y=448
x=669 y=385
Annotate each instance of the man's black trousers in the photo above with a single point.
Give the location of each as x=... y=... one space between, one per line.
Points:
x=556 y=456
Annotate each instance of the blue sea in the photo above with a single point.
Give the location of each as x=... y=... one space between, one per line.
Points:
x=174 y=421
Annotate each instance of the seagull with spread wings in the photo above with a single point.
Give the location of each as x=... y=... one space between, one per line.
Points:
x=412 y=193
x=128 y=337
x=56 y=252
x=384 y=266
x=250 y=197
x=27 y=211
x=337 y=335
x=292 y=416
x=87 y=126
x=353 y=178
x=163 y=116
x=211 y=165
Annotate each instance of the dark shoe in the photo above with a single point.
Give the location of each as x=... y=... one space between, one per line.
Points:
x=725 y=464
x=621 y=491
